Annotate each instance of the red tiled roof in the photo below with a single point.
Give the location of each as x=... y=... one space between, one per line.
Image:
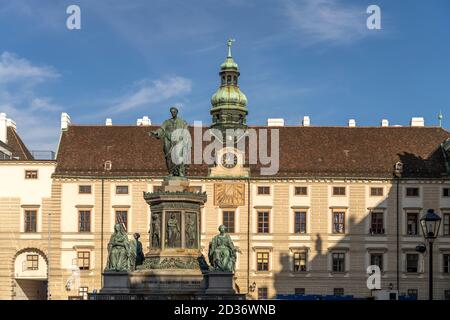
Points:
x=16 y=145
x=304 y=152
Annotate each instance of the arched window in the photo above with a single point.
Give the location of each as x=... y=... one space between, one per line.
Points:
x=223 y=80
x=228 y=79
x=235 y=80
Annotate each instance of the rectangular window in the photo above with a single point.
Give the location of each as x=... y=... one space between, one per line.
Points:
x=262 y=261
x=376 y=224
x=301 y=191
x=122 y=218
x=446 y=192
x=30 y=221
x=299 y=261
x=4 y=156
x=83 y=292
x=412 y=192
x=376 y=192
x=84 y=260
x=413 y=293
x=446 y=262
x=228 y=221
x=32 y=262
x=84 y=221
x=84 y=189
x=446 y=225
x=263 y=222
x=446 y=294
x=299 y=291
x=300 y=222
x=338 y=291
x=338 y=191
x=411 y=223
x=31 y=174
x=264 y=190
x=338 y=222
x=338 y=259
x=412 y=262
x=121 y=189
x=377 y=260
x=262 y=293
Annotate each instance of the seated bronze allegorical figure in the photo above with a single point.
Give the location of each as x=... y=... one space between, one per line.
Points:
x=118 y=250
x=222 y=252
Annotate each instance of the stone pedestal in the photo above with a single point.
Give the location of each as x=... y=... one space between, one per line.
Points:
x=116 y=282
x=220 y=283
x=175 y=184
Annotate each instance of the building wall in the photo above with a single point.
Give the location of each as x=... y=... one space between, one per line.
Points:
x=60 y=202
x=18 y=194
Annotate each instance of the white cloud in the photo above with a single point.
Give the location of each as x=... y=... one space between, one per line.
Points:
x=152 y=92
x=14 y=69
x=38 y=130
x=36 y=116
x=44 y=104
x=326 y=20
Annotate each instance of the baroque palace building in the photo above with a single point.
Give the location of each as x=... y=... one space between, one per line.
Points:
x=343 y=198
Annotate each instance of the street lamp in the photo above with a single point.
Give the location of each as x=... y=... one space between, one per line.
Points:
x=430 y=224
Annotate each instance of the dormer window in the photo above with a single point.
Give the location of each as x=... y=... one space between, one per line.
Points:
x=107 y=165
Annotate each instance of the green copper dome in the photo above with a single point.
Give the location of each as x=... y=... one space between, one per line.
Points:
x=229 y=64
x=229 y=104
x=229 y=97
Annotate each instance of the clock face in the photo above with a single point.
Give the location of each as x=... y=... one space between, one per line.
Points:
x=229 y=160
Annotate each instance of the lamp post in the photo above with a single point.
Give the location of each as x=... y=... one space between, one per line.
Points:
x=430 y=224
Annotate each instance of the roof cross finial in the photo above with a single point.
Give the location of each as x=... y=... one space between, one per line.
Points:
x=229 y=43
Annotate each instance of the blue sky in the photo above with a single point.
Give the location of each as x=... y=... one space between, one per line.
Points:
x=296 y=57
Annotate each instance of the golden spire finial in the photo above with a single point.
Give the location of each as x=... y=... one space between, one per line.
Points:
x=229 y=43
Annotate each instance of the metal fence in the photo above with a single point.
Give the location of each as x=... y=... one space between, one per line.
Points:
x=43 y=154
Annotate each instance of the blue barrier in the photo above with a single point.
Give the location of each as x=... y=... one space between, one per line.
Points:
x=309 y=297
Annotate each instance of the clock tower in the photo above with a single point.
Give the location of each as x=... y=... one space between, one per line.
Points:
x=229 y=112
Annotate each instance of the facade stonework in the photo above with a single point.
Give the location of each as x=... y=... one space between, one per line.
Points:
x=281 y=243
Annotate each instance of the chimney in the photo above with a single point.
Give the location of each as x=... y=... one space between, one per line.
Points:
x=306 y=121
x=417 y=122
x=139 y=122
x=65 y=121
x=385 y=123
x=146 y=121
x=352 y=123
x=3 y=126
x=108 y=122
x=275 y=122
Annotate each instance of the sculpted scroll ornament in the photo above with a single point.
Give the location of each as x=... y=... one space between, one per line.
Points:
x=229 y=194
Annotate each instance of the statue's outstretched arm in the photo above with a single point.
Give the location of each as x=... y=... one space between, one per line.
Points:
x=159 y=133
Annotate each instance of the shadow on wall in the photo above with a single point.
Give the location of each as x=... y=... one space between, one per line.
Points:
x=336 y=263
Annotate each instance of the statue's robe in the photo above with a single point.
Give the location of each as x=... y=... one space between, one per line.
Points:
x=177 y=144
